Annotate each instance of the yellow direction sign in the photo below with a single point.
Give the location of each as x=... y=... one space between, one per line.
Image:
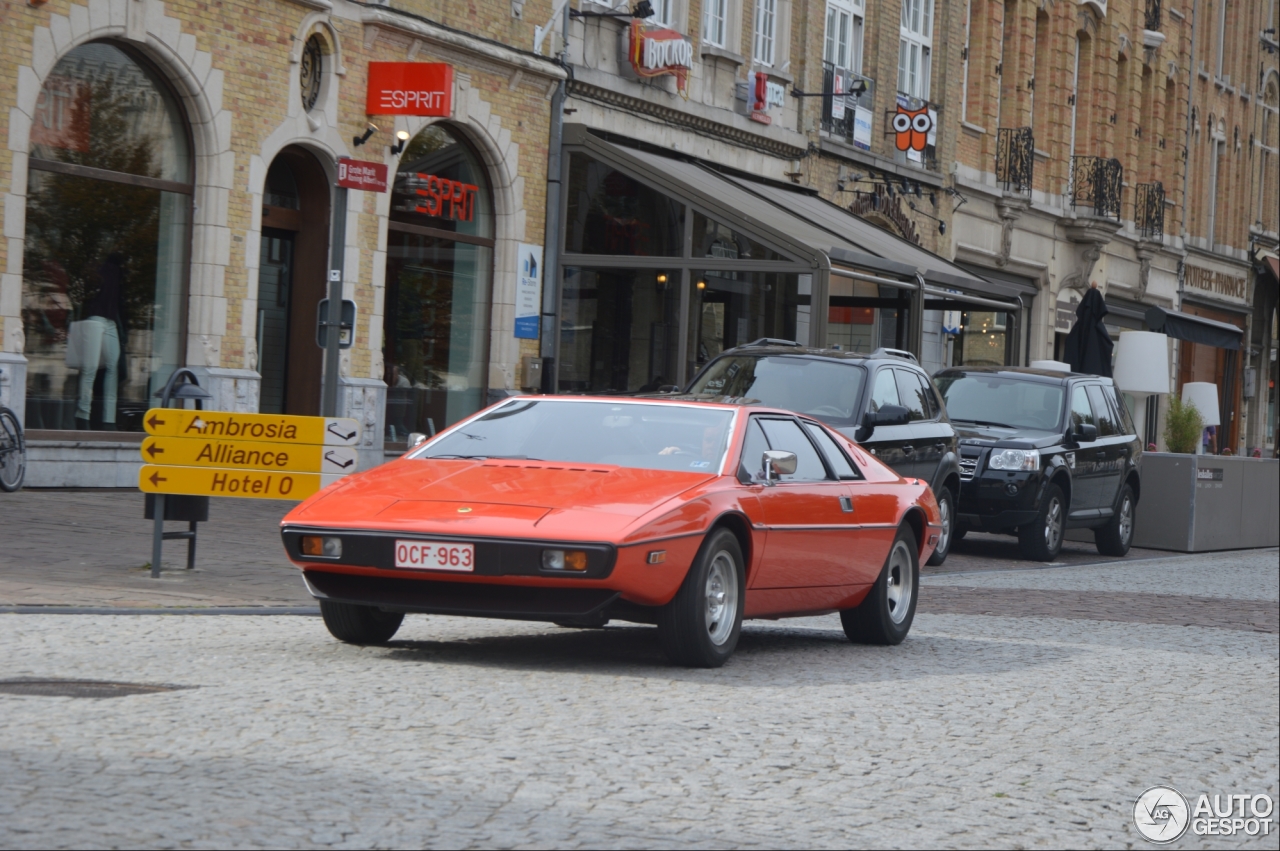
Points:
x=249 y=454
x=271 y=428
x=254 y=484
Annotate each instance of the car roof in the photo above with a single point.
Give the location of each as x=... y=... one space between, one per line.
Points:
x=684 y=399
x=1043 y=376
x=784 y=349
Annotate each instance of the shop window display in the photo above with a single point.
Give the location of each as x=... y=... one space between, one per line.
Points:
x=439 y=269
x=107 y=233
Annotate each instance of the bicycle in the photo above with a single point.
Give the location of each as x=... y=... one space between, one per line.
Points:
x=13 y=451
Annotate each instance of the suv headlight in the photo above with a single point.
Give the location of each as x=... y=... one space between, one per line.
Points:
x=1014 y=459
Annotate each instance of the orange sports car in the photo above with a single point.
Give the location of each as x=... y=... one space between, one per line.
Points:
x=578 y=510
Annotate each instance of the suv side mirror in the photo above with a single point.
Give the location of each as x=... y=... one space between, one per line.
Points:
x=1086 y=433
x=777 y=463
x=888 y=415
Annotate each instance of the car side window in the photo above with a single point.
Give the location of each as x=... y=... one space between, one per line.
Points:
x=934 y=408
x=911 y=392
x=1081 y=413
x=1118 y=405
x=836 y=458
x=884 y=391
x=1107 y=425
x=752 y=450
x=786 y=436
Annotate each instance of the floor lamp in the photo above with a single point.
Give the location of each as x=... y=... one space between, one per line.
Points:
x=1142 y=370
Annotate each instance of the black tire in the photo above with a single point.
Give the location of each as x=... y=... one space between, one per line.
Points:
x=13 y=452
x=689 y=629
x=1041 y=539
x=359 y=624
x=947 y=508
x=885 y=615
x=1115 y=538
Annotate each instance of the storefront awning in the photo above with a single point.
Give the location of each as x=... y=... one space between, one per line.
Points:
x=1194 y=329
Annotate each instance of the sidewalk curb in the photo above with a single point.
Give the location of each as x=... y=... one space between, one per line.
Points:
x=1174 y=557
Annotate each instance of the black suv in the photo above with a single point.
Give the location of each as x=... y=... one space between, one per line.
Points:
x=1042 y=452
x=883 y=400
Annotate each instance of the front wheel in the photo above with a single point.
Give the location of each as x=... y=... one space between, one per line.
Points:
x=885 y=614
x=947 y=513
x=1114 y=538
x=359 y=624
x=13 y=452
x=699 y=628
x=1041 y=539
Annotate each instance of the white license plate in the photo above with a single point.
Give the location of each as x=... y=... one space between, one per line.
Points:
x=435 y=555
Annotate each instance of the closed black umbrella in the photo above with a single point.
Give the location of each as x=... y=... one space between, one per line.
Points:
x=1088 y=346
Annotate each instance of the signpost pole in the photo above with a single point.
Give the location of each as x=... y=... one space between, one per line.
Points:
x=157 y=536
x=337 y=251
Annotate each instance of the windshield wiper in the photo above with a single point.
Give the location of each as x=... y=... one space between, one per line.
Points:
x=484 y=457
x=987 y=423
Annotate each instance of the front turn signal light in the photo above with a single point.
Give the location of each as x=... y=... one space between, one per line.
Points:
x=575 y=560
x=315 y=545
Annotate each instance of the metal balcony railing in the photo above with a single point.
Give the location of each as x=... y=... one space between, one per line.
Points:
x=1148 y=210
x=1151 y=20
x=843 y=127
x=1015 y=159
x=1095 y=186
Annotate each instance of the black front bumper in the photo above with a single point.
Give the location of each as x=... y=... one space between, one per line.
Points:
x=996 y=500
x=516 y=602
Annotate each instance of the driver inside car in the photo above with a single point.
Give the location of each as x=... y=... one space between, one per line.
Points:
x=710 y=445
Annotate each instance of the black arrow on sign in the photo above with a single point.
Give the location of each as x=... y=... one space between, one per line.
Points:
x=332 y=426
x=156 y=479
x=153 y=422
x=328 y=456
x=153 y=450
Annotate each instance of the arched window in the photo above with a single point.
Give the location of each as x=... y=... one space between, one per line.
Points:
x=107 y=234
x=439 y=269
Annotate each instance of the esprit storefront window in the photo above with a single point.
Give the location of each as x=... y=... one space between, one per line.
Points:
x=107 y=233
x=439 y=270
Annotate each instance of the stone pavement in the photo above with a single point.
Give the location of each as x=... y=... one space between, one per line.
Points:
x=92 y=548
x=1014 y=726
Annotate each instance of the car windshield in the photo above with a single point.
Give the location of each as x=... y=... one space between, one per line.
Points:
x=997 y=401
x=691 y=438
x=826 y=390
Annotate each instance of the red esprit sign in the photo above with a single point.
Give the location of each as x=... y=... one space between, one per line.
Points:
x=359 y=174
x=410 y=88
x=443 y=198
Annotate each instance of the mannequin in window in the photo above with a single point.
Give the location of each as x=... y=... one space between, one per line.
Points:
x=104 y=312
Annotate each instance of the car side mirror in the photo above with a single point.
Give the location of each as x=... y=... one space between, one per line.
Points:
x=416 y=438
x=1086 y=433
x=777 y=463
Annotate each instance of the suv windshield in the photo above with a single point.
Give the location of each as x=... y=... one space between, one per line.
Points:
x=653 y=437
x=823 y=389
x=999 y=401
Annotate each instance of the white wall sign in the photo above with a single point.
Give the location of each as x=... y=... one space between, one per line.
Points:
x=528 y=291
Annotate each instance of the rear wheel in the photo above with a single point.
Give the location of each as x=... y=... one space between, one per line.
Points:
x=359 y=624
x=1114 y=538
x=947 y=513
x=885 y=615
x=699 y=628
x=13 y=452
x=1041 y=539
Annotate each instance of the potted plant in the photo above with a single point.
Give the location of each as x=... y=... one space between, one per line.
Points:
x=1183 y=426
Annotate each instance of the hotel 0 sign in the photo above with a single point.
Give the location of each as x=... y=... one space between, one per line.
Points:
x=410 y=88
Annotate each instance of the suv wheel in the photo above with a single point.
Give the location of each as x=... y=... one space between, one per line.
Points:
x=947 y=513
x=1041 y=539
x=1114 y=538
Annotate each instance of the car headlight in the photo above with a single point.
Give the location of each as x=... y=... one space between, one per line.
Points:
x=1014 y=459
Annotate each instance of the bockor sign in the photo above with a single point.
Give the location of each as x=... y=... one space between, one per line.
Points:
x=410 y=88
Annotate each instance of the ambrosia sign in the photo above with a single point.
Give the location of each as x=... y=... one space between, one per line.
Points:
x=654 y=53
x=410 y=88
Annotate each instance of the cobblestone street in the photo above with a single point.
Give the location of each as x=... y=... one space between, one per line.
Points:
x=1027 y=708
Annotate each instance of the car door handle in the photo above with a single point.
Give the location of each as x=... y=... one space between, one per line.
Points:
x=846 y=504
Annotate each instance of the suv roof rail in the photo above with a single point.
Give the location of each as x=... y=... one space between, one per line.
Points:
x=772 y=341
x=895 y=353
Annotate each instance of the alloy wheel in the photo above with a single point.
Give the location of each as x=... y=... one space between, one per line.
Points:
x=1053 y=524
x=1126 y=520
x=899 y=583
x=722 y=598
